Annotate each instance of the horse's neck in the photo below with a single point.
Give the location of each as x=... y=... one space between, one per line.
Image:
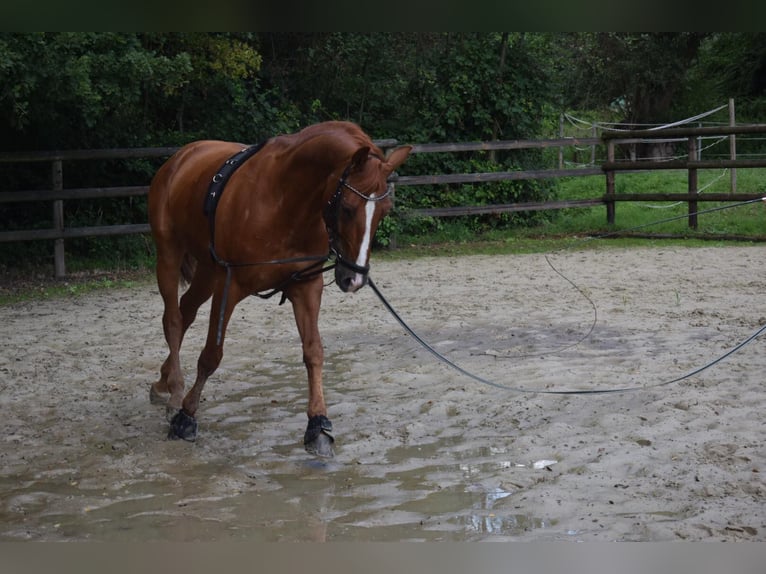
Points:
x=312 y=169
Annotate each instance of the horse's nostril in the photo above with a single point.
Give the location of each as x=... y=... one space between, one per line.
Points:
x=345 y=283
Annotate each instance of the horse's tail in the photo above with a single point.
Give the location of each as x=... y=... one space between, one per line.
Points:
x=188 y=267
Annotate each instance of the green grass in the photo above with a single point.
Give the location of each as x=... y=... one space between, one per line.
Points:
x=746 y=221
x=35 y=286
x=660 y=219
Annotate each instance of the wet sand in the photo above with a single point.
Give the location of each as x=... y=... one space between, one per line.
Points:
x=422 y=452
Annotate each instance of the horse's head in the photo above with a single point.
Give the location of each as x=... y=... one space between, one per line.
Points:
x=362 y=198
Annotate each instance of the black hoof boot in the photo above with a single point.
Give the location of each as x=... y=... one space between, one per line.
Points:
x=183 y=426
x=318 y=439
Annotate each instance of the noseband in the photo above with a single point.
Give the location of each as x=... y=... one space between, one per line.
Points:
x=331 y=218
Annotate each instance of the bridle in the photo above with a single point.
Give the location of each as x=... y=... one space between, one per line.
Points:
x=330 y=215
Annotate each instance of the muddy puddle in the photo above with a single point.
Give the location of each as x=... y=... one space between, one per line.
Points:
x=230 y=487
x=113 y=476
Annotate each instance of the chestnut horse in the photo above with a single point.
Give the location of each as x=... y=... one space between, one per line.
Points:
x=290 y=204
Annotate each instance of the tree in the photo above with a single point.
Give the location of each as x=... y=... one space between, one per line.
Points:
x=731 y=65
x=737 y=61
x=643 y=74
x=361 y=77
x=478 y=86
x=417 y=86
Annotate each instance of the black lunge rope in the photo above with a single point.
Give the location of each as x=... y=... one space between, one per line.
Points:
x=484 y=381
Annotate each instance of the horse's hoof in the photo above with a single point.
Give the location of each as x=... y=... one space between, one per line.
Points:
x=321 y=446
x=318 y=439
x=158 y=398
x=171 y=412
x=183 y=426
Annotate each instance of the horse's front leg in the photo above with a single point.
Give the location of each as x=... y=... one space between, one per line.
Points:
x=306 y=299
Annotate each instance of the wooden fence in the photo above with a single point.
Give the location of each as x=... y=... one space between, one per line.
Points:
x=610 y=168
x=691 y=164
x=58 y=193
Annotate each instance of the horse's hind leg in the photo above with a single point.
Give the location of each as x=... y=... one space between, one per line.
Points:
x=168 y=278
x=199 y=291
x=183 y=424
x=176 y=319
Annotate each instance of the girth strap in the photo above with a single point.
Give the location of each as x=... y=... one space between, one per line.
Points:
x=218 y=184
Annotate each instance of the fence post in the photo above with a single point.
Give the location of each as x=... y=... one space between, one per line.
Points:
x=610 y=184
x=732 y=146
x=593 y=133
x=59 y=263
x=692 y=183
x=561 y=136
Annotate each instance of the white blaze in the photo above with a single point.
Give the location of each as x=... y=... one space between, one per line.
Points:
x=364 y=248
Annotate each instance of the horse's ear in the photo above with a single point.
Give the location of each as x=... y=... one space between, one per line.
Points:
x=360 y=157
x=397 y=156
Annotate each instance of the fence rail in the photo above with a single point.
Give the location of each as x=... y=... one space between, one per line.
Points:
x=503 y=145
x=496 y=176
x=58 y=194
x=59 y=232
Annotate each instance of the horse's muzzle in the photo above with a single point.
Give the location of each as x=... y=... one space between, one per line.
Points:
x=348 y=280
x=349 y=276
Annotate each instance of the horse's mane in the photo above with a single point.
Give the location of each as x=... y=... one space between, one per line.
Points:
x=336 y=137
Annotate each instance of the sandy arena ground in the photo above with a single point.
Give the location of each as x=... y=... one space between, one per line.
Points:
x=422 y=452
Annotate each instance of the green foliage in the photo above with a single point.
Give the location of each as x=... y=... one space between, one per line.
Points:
x=489 y=193
x=81 y=90
x=417 y=87
x=64 y=90
x=478 y=86
x=103 y=89
x=732 y=65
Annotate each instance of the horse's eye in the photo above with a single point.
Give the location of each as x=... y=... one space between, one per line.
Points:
x=347 y=210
